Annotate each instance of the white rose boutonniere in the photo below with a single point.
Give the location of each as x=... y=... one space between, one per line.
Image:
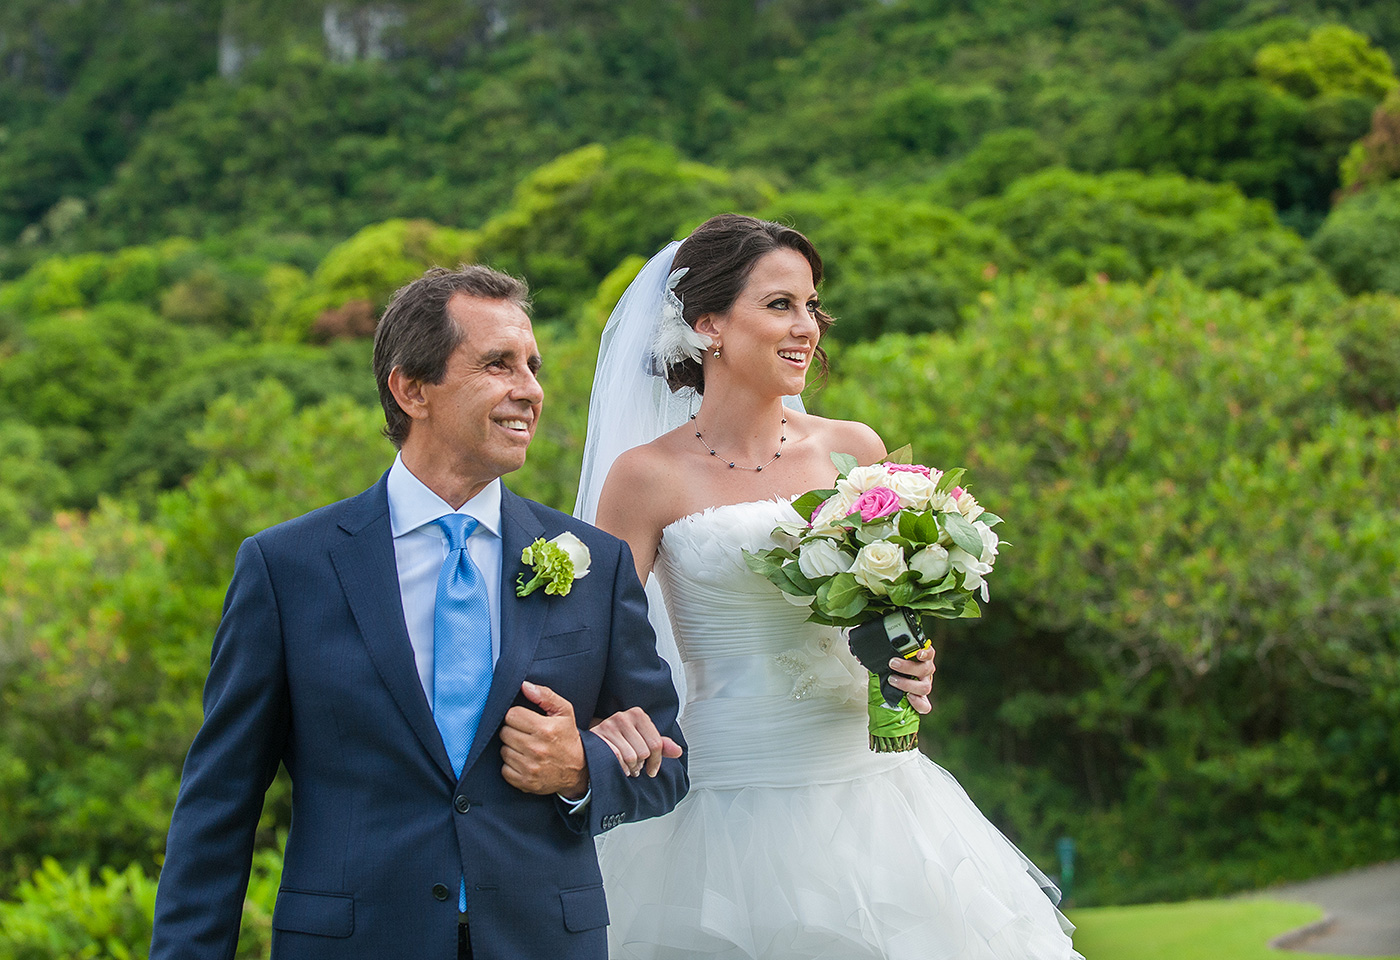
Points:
x=557 y=564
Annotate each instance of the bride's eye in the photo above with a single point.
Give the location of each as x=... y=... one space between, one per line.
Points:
x=813 y=306
x=781 y=303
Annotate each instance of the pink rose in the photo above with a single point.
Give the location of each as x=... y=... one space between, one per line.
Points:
x=909 y=468
x=875 y=503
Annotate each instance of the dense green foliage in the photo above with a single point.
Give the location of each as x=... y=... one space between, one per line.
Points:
x=1164 y=619
x=1133 y=263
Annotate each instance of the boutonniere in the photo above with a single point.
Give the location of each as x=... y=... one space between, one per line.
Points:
x=556 y=563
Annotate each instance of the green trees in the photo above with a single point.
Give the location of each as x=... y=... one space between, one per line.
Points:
x=79 y=377
x=106 y=621
x=1375 y=158
x=1185 y=410
x=78 y=93
x=1127 y=225
x=1360 y=240
x=573 y=219
x=1268 y=108
x=895 y=261
x=1199 y=516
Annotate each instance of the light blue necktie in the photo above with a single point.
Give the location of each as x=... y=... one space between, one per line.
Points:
x=461 y=648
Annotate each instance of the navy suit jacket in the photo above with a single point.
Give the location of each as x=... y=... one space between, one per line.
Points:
x=312 y=668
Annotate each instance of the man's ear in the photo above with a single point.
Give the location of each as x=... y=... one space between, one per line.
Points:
x=408 y=393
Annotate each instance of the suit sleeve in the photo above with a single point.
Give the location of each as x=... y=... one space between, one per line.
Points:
x=636 y=677
x=235 y=755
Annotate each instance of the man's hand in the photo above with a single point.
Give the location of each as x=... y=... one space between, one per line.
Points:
x=542 y=752
x=915 y=678
x=636 y=741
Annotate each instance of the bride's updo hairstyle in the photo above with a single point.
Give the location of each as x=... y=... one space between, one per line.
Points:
x=720 y=255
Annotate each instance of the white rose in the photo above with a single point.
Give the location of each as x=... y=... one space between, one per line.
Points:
x=968 y=506
x=823 y=558
x=791 y=522
x=942 y=502
x=877 y=564
x=828 y=517
x=881 y=530
x=972 y=569
x=915 y=490
x=577 y=552
x=990 y=542
x=931 y=563
x=862 y=479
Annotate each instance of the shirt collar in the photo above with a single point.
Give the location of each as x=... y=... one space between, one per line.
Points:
x=412 y=504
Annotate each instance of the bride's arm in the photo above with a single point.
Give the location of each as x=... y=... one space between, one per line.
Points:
x=627 y=511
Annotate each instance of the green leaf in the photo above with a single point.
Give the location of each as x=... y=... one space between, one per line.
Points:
x=989 y=518
x=963 y=533
x=845 y=463
x=904 y=454
x=799 y=581
x=950 y=479
x=918 y=526
x=932 y=604
x=971 y=610
x=763 y=564
x=902 y=594
x=842 y=596
x=807 y=504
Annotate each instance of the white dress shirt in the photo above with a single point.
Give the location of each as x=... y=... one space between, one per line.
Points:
x=420 y=547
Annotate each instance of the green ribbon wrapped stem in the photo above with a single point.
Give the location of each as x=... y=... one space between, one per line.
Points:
x=891 y=731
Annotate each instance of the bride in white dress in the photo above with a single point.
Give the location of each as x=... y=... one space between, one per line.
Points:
x=795 y=840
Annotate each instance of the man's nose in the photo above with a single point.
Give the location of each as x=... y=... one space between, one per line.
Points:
x=528 y=388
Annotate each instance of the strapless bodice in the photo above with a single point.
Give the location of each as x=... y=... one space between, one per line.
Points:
x=771 y=697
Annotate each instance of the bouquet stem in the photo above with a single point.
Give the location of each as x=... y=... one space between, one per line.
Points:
x=892 y=729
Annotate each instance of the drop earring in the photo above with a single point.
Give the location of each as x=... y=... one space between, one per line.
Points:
x=716 y=351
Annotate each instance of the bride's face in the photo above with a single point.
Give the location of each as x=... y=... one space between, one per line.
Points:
x=769 y=336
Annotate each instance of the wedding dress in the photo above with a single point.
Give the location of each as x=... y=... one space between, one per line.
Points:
x=796 y=841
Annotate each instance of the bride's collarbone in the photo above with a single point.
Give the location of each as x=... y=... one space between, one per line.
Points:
x=705 y=493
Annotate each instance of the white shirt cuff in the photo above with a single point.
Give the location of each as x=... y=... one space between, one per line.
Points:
x=576 y=806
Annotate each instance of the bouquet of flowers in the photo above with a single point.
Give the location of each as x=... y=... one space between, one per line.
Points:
x=893 y=543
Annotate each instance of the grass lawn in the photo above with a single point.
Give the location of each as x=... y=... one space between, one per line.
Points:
x=1199 y=930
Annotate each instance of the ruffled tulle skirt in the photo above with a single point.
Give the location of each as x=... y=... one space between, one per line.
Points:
x=891 y=865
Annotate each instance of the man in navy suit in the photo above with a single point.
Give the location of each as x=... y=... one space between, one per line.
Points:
x=325 y=661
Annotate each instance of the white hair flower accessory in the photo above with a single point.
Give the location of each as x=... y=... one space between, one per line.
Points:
x=676 y=341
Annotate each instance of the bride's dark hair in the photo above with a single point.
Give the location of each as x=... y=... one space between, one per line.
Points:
x=721 y=254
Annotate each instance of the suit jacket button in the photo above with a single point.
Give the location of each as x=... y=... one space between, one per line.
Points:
x=439 y=891
x=462 y=804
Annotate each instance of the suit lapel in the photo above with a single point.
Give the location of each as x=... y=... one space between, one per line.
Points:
x=522 y=619
x=369 y=575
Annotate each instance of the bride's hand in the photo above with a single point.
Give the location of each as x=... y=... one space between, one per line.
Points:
x=635 y=741
x=915 y=678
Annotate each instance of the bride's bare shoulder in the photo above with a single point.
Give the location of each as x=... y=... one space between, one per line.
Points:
x=848 y=436
x=645 y=463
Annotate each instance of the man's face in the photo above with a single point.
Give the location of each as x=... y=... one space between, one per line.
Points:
x=482 y=416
